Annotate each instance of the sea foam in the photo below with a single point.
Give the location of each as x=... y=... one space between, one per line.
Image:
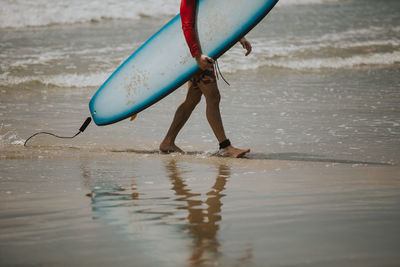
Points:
x=59 y=80
x=23 y=13
x=28 y=13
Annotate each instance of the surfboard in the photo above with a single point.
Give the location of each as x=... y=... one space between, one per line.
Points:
x=163 y=63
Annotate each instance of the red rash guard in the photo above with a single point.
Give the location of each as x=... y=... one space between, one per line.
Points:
x=188 y=14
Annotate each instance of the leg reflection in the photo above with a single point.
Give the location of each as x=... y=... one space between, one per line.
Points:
x=202 y=222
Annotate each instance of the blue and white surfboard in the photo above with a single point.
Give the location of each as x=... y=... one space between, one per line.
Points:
x=164 y=63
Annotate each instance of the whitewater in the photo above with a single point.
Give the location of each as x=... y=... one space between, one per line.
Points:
x=34 y=13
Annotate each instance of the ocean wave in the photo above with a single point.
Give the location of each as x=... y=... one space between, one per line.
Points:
x=356 y=34
x=233 y=61
x=231 y=64
x=338 y=50
x=28 y=13
x=38 y=59
x=359 y=47
x=23 y=13
x=270 y=49
x=380 y=59
x=59 y=80
x=303 y=2
x=36 y=56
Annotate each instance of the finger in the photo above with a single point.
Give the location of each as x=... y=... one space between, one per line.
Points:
x=210 y=60
x=249 y=49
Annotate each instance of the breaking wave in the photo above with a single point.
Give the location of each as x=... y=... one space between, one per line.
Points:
x=353 y=48
x=28 y=13
x=58 y=80
x=23 y=13
x=347 y=49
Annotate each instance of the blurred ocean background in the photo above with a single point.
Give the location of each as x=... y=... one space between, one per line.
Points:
x=320 y=35
x=317 y=102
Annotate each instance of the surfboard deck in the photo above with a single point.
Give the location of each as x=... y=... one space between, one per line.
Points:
x=163 y=63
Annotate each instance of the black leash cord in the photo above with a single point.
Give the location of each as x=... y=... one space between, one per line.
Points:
x=217 y=70
x=83 y=128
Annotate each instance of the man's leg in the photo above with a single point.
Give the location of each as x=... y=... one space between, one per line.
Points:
x=213 y=97
x=182 y=114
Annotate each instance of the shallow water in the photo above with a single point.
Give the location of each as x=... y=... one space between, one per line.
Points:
x=317 y=102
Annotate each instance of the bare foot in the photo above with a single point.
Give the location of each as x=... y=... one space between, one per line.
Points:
x=169 y=148
x=233 y=152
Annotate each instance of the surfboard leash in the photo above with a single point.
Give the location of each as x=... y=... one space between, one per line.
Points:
x=218 y=71
x=81 y=130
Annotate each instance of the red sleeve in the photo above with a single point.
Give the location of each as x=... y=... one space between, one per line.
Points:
x=188 y=14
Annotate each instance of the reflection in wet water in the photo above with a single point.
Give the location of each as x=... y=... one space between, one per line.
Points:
x=169 y=211
x=202 y=223
x=133 y=211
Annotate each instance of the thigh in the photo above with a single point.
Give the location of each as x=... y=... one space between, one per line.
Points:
x=193 y=92
x=207 y=83
x=209 y=89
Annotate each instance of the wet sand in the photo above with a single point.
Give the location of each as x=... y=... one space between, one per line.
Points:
x=142 y=208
